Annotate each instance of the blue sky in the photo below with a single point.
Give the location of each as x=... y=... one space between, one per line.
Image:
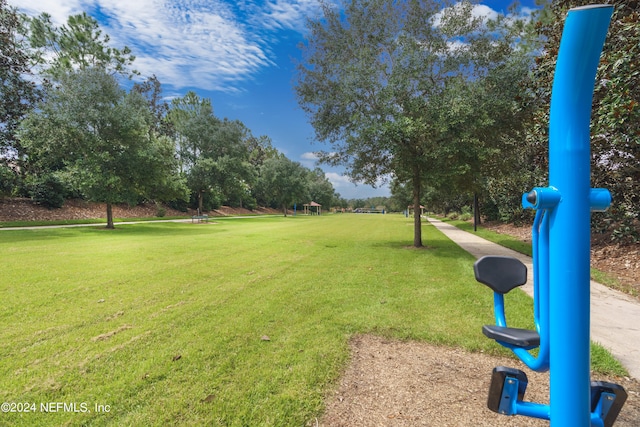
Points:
x=238 y=53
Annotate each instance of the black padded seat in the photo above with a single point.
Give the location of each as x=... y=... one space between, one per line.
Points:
x=500 y=273
x=524 y=338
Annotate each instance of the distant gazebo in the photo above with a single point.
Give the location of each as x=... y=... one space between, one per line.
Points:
x=309 y=211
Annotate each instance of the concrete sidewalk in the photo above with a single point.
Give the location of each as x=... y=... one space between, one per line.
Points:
x=615 y=317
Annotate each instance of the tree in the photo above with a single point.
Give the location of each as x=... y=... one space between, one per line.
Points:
x=18 y=93
x=615 y=123
x=193 y=120
x=234 y=174
x=99 y=137
x=490 y=159
x=284 y=182
x=215 y=154
x=320 y=188
x=79 y=44
x=382 y=81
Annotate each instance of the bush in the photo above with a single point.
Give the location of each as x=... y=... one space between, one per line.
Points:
x=179 y=205
x=160 y=211
x=47 y=190
x=7 y=180
x=250 y=203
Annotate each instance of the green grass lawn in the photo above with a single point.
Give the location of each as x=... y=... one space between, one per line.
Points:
x=166 y=323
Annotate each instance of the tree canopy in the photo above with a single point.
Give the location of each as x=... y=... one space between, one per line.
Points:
x=77 y=44
x=432 y=96
x=18 y=93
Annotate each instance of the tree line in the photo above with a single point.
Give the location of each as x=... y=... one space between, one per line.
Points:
x=450 y=104
x=69 y=128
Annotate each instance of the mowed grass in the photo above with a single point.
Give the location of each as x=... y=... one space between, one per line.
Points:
x=244 y=322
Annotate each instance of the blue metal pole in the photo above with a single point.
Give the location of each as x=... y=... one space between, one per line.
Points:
x=569 y=227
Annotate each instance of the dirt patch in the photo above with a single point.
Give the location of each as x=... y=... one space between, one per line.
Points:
x=26 y=210
x=395 y=383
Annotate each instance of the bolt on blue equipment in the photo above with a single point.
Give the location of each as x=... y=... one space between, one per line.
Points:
x=561 y=253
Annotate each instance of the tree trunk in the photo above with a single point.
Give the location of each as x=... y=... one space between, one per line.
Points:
x=417 y=222
x=200 y=202
x=110 y=217
x=284 y=209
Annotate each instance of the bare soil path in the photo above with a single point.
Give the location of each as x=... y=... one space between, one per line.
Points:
x=409 y=384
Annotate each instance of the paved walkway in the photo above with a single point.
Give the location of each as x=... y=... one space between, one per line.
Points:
x=615 y=317
x=116 y=224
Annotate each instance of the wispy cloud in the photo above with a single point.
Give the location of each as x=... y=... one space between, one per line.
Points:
x=289 y=14
x=210 y=44
x=309 y=159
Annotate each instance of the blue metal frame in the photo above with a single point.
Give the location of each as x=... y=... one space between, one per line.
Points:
x=540 y=247
x=561 y=239
x=569 y=222
x=540 y=243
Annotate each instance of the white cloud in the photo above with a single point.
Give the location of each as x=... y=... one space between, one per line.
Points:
x=309 y=159
x=338 y=180
x=59 y=10
x=210 y=44
x=483 y=11
x=477 y=11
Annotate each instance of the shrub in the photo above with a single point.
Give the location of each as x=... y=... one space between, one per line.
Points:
x=465 y=216
x=7 y=180
x=179 y=205
x=160 y=211
x=47 y=190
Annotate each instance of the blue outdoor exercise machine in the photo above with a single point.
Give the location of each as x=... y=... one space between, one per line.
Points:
x=561 y=252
